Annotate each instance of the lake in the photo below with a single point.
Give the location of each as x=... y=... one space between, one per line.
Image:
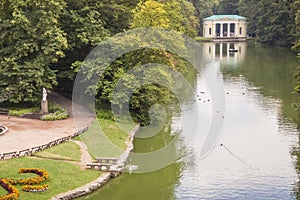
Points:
x=254 y=154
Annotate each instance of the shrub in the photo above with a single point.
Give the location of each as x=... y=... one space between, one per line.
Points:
x=58 y=115
x=22 y=111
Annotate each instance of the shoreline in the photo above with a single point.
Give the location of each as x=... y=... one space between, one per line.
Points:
x=105 y=177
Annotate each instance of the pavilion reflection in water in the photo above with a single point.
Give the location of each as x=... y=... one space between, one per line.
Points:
x=222 y=51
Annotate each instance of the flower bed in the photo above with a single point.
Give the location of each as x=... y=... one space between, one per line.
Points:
x=30 y=188
x=13 y=193
x=29 y=184
x=42 y=176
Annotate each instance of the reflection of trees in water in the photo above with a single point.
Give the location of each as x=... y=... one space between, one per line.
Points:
x=154 y=185
x=271 y=71
x=159 y=184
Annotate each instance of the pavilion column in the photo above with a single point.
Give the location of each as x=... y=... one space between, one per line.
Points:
x=228 y=30
x=236 y=29
x=221 y=30
x=214 y=30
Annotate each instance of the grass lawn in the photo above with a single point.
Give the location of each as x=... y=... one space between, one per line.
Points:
x=202 y=39
x=63 y=176
x=67 y=151
x=110 y=142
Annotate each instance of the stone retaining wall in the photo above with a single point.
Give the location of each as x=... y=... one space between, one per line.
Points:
x=90 y=187
x=85 y=189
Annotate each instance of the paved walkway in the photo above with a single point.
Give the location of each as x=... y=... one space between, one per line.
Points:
x=27 y=133
x=85 y=156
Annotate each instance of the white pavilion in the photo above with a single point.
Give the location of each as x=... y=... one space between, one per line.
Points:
x=225 y=27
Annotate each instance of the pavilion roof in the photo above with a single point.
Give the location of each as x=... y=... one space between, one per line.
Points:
x=220 y=17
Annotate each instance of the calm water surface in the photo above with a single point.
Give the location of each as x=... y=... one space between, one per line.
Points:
x=253 y=158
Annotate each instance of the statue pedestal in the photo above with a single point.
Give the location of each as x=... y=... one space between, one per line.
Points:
x=44 y=105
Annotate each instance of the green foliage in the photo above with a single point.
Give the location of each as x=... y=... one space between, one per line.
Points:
x=203 y=9
x=30 y=41
x=297 y=87
x=22 y=111
x=228 y=7
x=44 y=42
x=273 y=22
x=145 y=96
x=82 y=22
x=296 y=8
x=172 y=14
x=177 y=15
x=57 y=113
x=150 y=13
x=104 y=114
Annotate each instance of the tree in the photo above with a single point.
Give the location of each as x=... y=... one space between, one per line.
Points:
x=82 y=22
x=177 y=15
x=150 y=14
x=275 y=22
x=229 y=7
x=181 y=14
x=271 y=21
x=30 y=41
x=203 y=9
x=248 y=9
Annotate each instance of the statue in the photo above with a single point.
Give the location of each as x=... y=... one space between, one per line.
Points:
x=44 y=103
x=44 y=94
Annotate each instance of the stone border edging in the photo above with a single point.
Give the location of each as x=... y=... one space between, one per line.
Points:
x=4 y=130
x=88 y=188
x=30 y=151
x=105 y=177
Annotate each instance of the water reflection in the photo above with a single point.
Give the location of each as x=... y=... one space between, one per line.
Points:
x=231 y=52
x=254 y=161
x=259 y=134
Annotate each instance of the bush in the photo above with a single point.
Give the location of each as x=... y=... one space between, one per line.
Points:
x=104 y=114
x=56 y=113
x=22 y=111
